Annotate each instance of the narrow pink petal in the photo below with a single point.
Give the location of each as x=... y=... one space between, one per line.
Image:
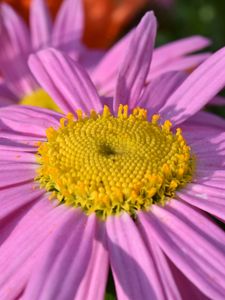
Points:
x=5 y=101
x=21 y=146
x=34 y=228
x=40 y=23
x=17 y=196
x=6 y=95
x=216 y=182
x=203 y=118
x=179 y=48
x=26 y=265
x=13 y=216
x=132 y=265
x=93 y=284
x=65 y=81
x=37 y=128
x=15 y=48
x=16 y=283
x=64 y=261
x=187 y=63
x=190 y=250
x=68 y=26
x=207 y=198
x=35 y=112
x=17 y=156
x=195 y=133
x=187 y=289
x=107 y=69
x=32 y=122
x=169 y=285
x=158 y=90
x=16 y=28
x=213 y=143
x=135 y=67
x=199 y=222
x=11 y=174
x=201 y=86
x=90 y=58
x=217 y=101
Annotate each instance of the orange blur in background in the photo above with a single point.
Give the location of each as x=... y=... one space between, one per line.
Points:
x=104 y=19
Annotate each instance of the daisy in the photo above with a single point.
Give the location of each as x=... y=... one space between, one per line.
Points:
x=65 y=34
x=18 y=42
x=120 y=188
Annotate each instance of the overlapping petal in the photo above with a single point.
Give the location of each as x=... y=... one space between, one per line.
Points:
x=65 y=81
x=189 y=247
x=134 y=69
x=132 y=266
x=40 y=24
x=198 y=89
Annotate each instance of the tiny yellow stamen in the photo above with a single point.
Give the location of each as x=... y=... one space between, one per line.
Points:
x=107 y=164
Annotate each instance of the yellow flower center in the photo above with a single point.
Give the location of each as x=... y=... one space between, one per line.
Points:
x=108 y=164
x=40 y=98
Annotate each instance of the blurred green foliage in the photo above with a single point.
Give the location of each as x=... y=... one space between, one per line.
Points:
x=191 y=17
x=188 y=17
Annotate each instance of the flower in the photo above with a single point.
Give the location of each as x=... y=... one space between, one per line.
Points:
x=19 y=85
x=53 y=245
x=17 y=43
x=23 y=6
x=104 y=19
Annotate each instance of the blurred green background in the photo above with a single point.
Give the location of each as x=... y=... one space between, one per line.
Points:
x=189 y=17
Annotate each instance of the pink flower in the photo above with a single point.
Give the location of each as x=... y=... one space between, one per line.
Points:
x=17 y=43
x=170 y=251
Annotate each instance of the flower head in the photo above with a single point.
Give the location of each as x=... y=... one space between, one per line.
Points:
x=65 y=34
x=18 y=41
x=56 y=247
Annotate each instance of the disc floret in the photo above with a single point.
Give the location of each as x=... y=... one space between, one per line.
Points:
x=107 y=164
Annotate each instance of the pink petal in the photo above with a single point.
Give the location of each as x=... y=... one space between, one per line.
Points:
x=9 y=222
x=65 y=81
x=107 y=69
x=64 y=261
x=17 y=156
x=158 y=90
x=14 y=174
x=203 y=118
x=191 y=251
x=40 y=23
x=217 y=101
x=201 y=86
x=34 y=228
x=179 y=48
x=90 y=58
x=15 y=48
x=16 y=28
x=187 y=63
x=205 y=197
x=93 y=284
x=21 y=146
x=169 y=285
x=213 y=143
x=132 y=265
x=68 y=26
x=135 y=67
x=187 y=289
x=15 y=197
x=27 y=121
x=6 y=96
